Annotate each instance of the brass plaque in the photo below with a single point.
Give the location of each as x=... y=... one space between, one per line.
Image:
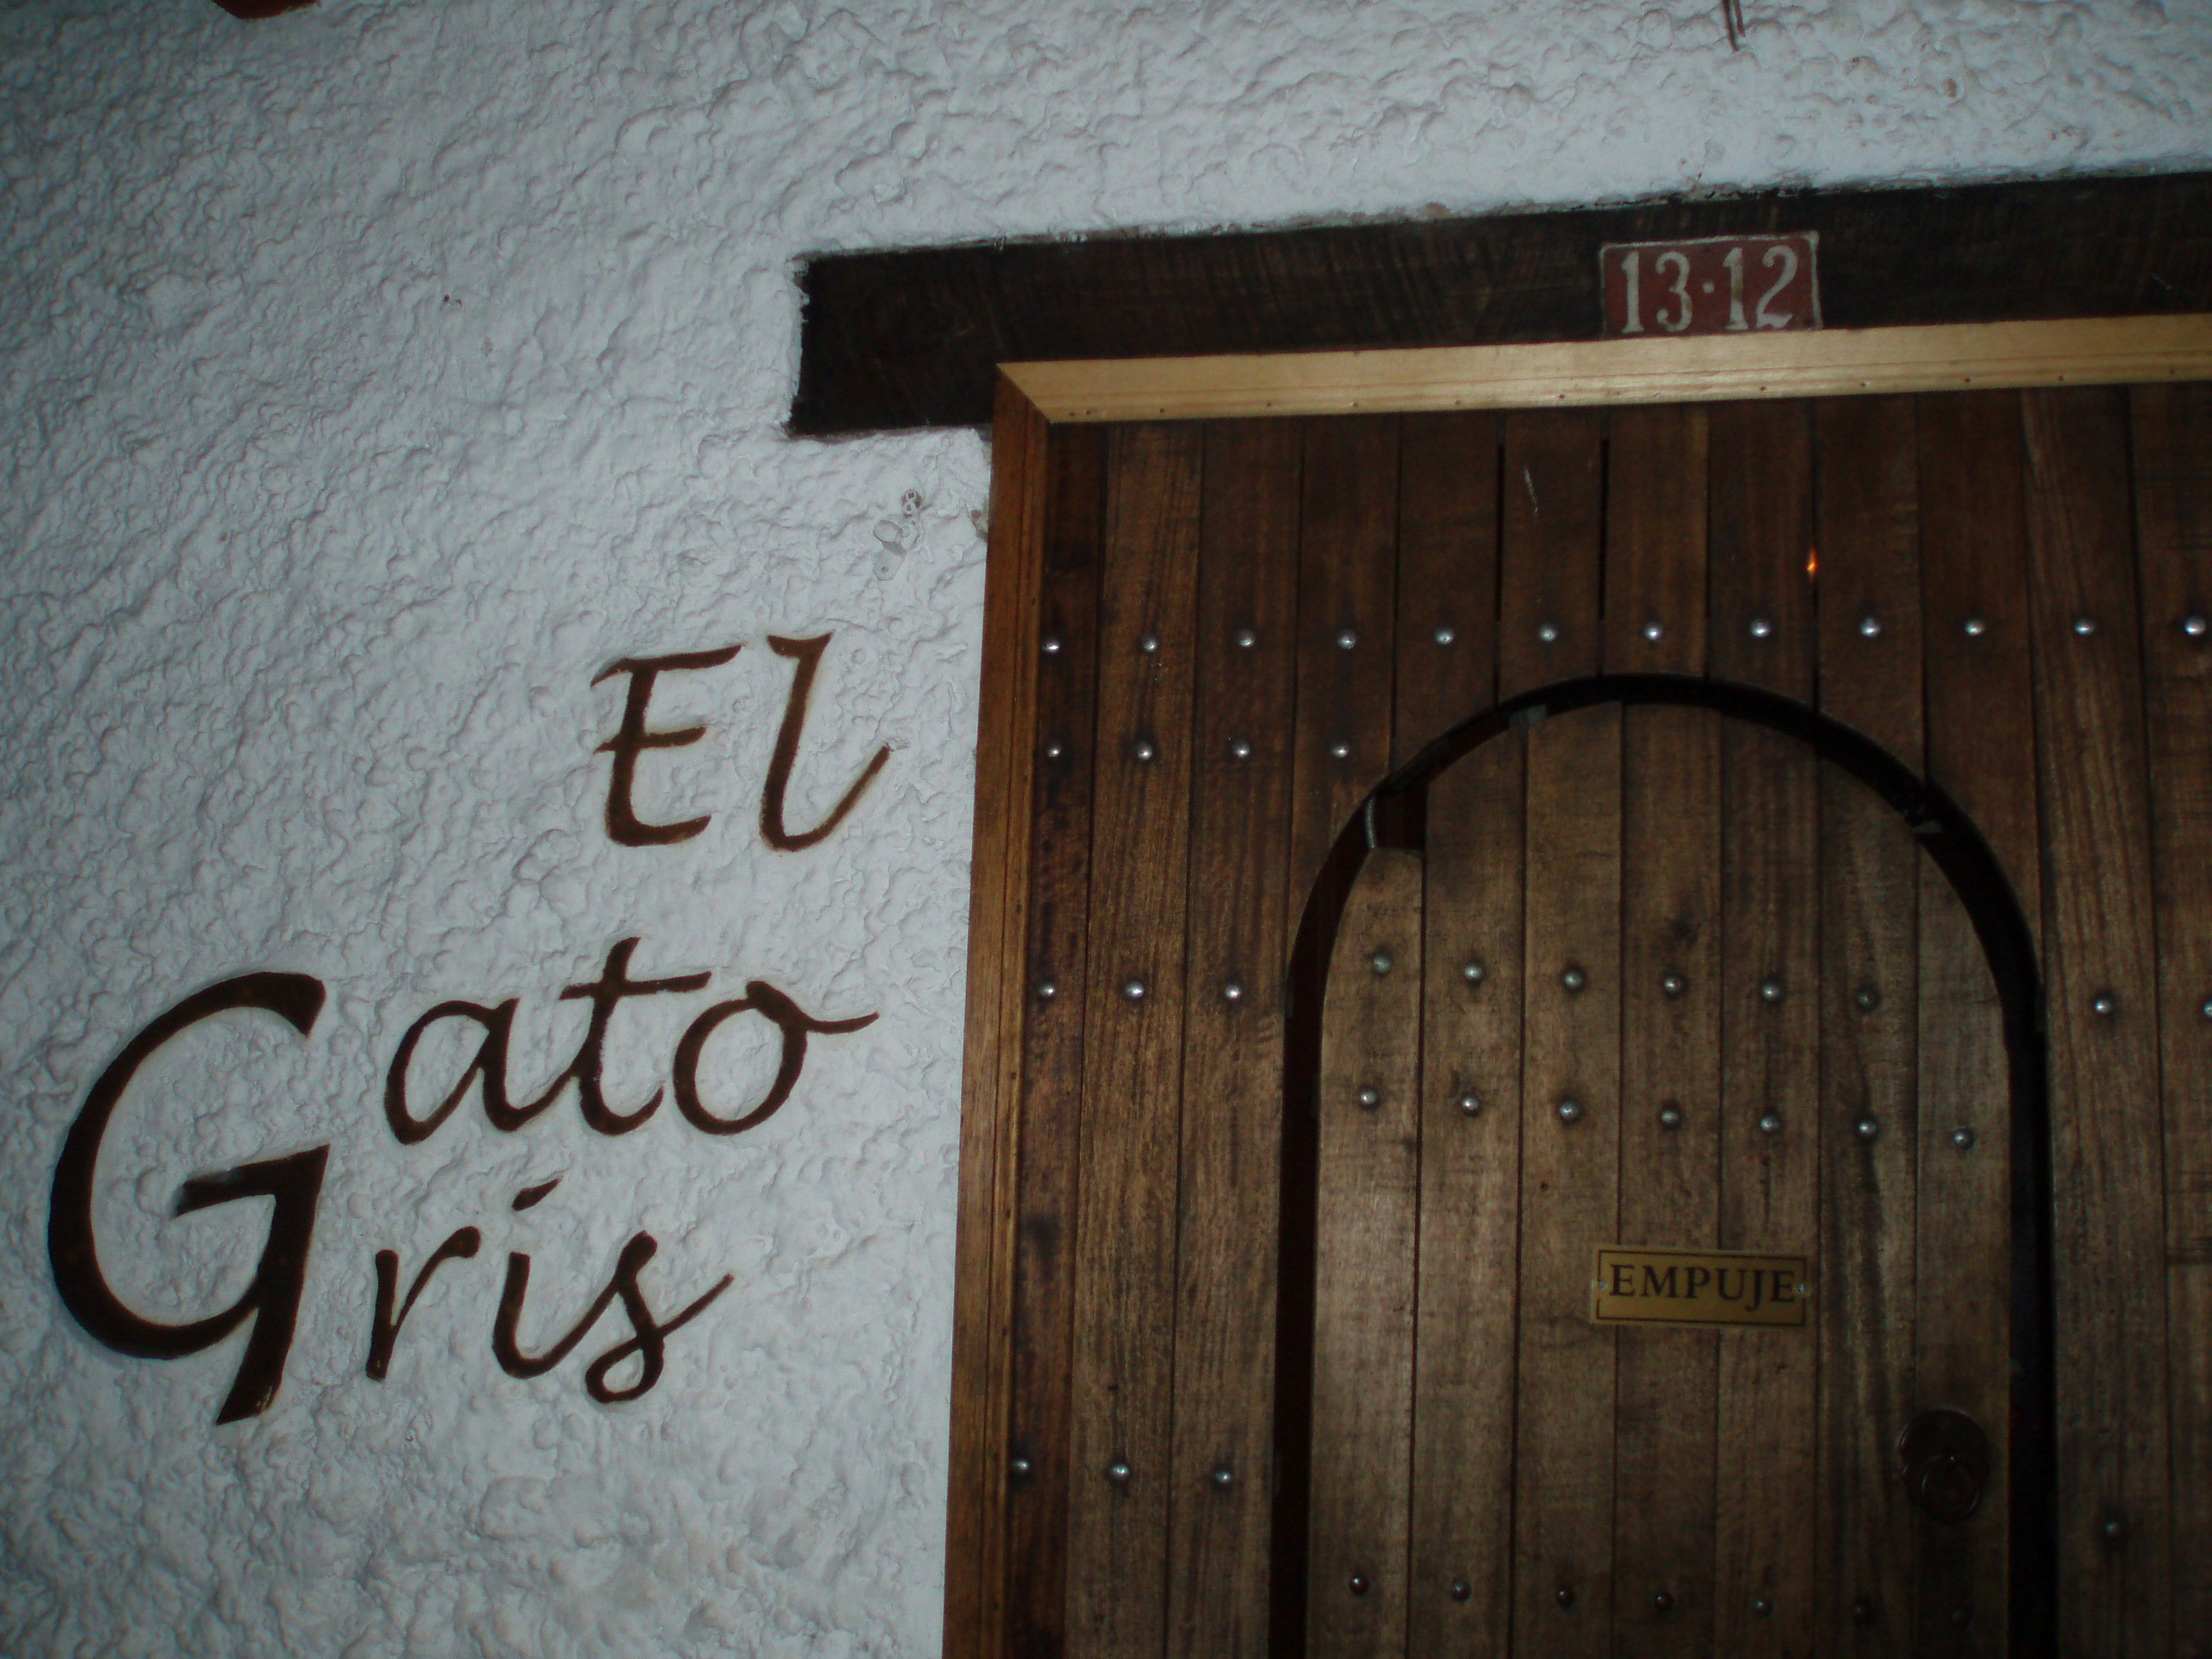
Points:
x=1699 y=1287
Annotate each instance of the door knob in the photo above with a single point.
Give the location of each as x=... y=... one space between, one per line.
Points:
x=1947 y=1460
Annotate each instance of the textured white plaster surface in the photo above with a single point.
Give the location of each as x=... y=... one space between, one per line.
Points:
x=370 y=379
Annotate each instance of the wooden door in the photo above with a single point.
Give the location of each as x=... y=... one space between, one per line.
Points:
x=1245 y=677
x=1660 y=978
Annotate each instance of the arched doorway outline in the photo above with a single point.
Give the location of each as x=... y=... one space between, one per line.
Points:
x=1394 y=814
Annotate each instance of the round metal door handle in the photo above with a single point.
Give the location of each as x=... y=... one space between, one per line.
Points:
x=1947 y=1462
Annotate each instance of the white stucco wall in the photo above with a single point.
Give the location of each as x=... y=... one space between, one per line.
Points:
x=369 y=379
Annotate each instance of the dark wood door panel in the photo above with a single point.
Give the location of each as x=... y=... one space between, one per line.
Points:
x=1553 y=690
x=1226 y=1203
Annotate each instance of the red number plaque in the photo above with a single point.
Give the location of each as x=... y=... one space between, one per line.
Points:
x=1715 y=285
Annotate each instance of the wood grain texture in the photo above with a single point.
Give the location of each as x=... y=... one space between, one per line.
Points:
x=1460 y=1569
x=1052 y=1043
x=2172 y=429
x=1867 y=530
x=2098 y=941
x=1552 y=492
x=1340 y=748
x=975 y=1570
x=1963 y=1339
x=906 y=338
x=1669 y=1167
x=1867 y=535
x=1146 y=1332
x=1469 y=1278
x=1977 y=673
x=1346 y=589
x=1549 y=607
x=1980 y=727
x=1583 y=374
x=1867 y=1307
x=1657 y=462
x=1233 y=1044
x=1760 y=532
x=1447 y=575
x=1569 y=1181
x=1656 y=467
x=1365 y=1252
x=1125 y=1245
x=1765 y=1469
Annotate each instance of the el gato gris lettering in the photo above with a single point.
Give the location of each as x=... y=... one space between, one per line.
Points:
x=269 y=1304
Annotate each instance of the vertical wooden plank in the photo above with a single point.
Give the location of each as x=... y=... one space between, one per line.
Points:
x=1447 y=575
x=1961 y=1603
x=2098 y=943
x=1052 y=1045
x=1762 y=635
x=1869 y=1156
x=1655 y=579
x=2172 y=433
x=1656 y=464
x=1868 y=540
x=1548 y=631
x=1365 y=1252
x=1760 y=532
x=1552 y=507
x=1462 y=1577
x=1977 y=675
x=1346 y=615
x=1869 y=582
x=976 y=1528
x=1133 y=1047
x=1459 y=1576
x=1569 y=1183
x=1233 y=1044
x=1981 y=749
x=1671 y=1169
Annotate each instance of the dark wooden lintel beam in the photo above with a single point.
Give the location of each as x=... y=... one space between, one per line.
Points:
x=253 y=9
x=910 y=337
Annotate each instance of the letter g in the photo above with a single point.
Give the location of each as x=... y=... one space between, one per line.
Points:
x=296 y=1182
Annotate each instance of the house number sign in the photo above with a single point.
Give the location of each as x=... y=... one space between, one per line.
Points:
x=1699 y=1287
x=1715 y=285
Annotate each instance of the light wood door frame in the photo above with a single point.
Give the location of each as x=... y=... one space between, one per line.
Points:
x=1031 y=398
x=1585 y=373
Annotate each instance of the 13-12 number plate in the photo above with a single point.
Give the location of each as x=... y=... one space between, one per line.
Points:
x=1716 y=285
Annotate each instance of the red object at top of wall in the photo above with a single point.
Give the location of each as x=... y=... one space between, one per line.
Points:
x=251 y=8
x=1711 y=285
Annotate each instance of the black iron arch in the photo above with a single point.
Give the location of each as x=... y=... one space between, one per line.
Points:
x=1395 y=815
